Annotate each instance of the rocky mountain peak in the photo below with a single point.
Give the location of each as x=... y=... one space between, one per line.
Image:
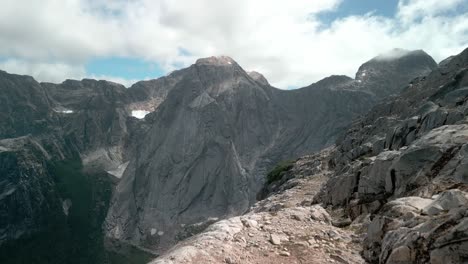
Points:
x=392 y=68
x=399 y=59
x=221 y=75
x=216 y=61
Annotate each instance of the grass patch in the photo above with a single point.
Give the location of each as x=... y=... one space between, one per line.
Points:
x=277 y=173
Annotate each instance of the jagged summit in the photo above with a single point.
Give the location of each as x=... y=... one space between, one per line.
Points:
x=216 y=60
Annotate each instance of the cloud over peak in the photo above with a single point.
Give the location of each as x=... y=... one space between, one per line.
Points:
x=288 y=42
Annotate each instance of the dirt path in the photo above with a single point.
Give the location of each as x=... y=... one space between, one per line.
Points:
x=283 y=228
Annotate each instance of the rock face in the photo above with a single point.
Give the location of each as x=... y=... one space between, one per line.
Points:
x=216 y=134
x=404 y=232
x=57 y=142
x=405 y=165
x=93 y=118
x=26 y=188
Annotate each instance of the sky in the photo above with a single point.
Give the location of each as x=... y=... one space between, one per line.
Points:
x=292 y=43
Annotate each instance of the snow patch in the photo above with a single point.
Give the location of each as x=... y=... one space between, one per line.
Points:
x=119 y=171
x=63 y=110
x=140 y=114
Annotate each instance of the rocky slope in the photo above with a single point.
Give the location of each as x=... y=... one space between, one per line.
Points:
x=217 y=133
x=283 y=228
x=405 y=165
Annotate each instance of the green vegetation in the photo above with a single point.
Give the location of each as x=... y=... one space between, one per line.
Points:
x=278 y=171
x=132 y=256
x=90 y=195
x=77 y=238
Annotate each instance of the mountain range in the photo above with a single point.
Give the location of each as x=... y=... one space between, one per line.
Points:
x=142 y=168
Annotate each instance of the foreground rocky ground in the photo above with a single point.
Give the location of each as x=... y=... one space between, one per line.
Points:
x=290 y=227
x=283 y=228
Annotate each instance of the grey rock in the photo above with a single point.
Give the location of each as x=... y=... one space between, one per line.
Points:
x=446 y=201
x=401 y=254
x=275 y=239
x=378 y=180
x=249 y=223
x=318 y=213
x=430 y=240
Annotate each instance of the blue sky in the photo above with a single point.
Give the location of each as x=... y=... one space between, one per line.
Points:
x=292 y=43
x=386 y=8
x=126 y=68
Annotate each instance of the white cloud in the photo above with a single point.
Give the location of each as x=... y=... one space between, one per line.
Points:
x=393 y=54
x=412 y=10
x=52 y=72
x=58 y=72
x=284 y=40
